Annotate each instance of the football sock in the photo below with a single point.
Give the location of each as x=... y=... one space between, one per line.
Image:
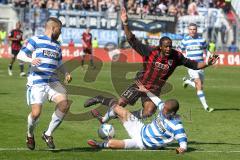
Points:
x=110 y=114
x=21 y=67
x=31 y=125
x=202 y=99
x=191 y=83
x=91 y=62
x=82 y=62
x=10 y=66
x=103 y=144
x=108 y=101
x=57 y=118
x=138 y=114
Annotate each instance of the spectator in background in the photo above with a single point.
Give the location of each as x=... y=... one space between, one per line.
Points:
x=233 y=48
x=212 y=46
x=71 y=46
x=94 y=43
x=192 y=9
x=3 y=35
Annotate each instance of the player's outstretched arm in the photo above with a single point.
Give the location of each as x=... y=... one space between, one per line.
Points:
x=210 y=61
x=156 y=100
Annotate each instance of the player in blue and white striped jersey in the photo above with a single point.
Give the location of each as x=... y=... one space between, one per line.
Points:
x=165 y=128
x=195 y=46
x=44 y=54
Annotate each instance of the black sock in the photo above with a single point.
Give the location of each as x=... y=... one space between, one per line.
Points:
x=91 y=62
x=10 y=66
x=138 y=114
x=21 y=67
x=108 y=101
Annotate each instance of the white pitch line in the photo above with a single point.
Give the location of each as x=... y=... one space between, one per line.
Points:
x=119 y=150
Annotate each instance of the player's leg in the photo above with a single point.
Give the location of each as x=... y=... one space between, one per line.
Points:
x=91 y=58
x=149 y=107
x=83 y=56
x=189 y=81
x=35 y=98
x=129 y=96
x=21 y=66
x=82 y=61
x=131 y=124
x=13 y=58
x=200 y=92
x=115 y=144
x=58 y=96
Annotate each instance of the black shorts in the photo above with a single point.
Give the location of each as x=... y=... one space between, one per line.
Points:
x=87 y=50
x=131 y=95
x=15 y=52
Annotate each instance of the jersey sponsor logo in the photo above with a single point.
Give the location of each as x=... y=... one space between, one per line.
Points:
x=194 y=48
x=159 y=124
x=161 y=66
x=50 y=54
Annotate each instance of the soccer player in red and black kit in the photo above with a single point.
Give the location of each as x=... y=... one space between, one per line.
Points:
x=87 y=46
x=159 y=63
x=15 y=37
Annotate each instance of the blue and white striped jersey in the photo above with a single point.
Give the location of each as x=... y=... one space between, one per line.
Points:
x=50 y=54
x=194 y=47
x=162 y=131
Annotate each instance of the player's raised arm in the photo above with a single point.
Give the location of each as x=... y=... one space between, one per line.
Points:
x=139 y=47
x=156 y=100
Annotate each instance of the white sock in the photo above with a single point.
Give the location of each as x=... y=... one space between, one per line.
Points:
x=190 y=82
x=202 y=99
x=110 y=114
x=31 y=125
x=57 y=118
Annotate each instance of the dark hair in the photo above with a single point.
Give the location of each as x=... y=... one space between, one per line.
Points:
x=54 y=20
x=164 y=38
x=192 y=24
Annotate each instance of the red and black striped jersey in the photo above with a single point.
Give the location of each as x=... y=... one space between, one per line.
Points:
x=157 y=68
x=16 y=44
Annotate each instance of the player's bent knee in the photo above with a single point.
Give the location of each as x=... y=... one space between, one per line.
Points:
x=149 y=111
x=64 y=106
x=122 y=102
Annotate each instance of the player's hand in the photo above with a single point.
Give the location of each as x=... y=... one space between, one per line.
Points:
x=141 y=87
x=124 y=16
x=213 y=59
x=68 y=78
x=36 y=62
x=180 y=150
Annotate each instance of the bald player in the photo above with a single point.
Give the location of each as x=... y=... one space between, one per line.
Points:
x=44 y=54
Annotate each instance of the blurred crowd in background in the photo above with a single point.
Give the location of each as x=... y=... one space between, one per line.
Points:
x=154 y=7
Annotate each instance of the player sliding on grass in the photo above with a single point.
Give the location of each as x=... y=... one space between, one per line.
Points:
x=44 y=54
x=166 y=127
x=159 y=63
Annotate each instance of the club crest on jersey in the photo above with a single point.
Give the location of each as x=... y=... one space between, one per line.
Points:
x=170 y=62
x=50 y=54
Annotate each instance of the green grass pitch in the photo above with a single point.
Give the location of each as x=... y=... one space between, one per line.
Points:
x=210 y=135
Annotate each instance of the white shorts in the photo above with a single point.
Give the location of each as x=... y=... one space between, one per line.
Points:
x=133 y=126
x=193 y=74
x=38 y=94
